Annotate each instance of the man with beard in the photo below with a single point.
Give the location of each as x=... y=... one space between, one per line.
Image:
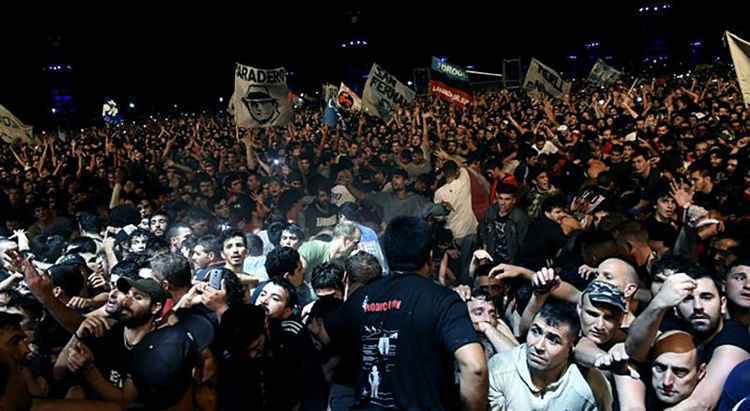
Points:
x=131 y=348
x=322 y=214
x=158 y=223
x=697 y=298
x=207 y=189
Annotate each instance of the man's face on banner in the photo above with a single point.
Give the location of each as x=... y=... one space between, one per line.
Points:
x=346 y=100
x=262 y=107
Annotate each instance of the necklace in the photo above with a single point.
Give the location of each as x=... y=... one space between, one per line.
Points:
x=129 y=346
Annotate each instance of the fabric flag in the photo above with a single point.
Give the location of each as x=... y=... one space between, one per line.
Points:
x=604 y=74
x=347 y=99
x=261 y=97
x=330 y=117
x=12 y=130
x=110 y=112
x=540 y=78
x=450 y=94
x=383 y=91
x=740 y=51
x=329 y=91
x=450 y=70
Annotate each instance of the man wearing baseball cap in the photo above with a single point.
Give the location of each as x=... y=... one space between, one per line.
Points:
x=601 y=310
x=144 y=364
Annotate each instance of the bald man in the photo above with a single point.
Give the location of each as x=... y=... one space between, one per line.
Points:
x=612 y=270
x=673 y=372
x=624 y=277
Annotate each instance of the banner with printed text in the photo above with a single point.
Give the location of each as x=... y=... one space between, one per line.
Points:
x=450 y=94
x=451 y=70
x=543 y=79
x=383 y=92
x=261 y=97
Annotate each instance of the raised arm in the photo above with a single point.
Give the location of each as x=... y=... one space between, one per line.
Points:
x=645 y=327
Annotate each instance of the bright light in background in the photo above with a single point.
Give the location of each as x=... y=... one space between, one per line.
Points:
x=54 y=110
x=131 y=105
x=409 y=83
x=221 y=99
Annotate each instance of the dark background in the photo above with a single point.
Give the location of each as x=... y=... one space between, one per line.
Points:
x=184 y=55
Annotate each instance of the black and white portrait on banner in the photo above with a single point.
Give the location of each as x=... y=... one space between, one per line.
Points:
x=261 y=97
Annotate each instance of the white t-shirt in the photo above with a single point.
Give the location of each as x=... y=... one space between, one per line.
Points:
x=461 y=221
x=340 y=195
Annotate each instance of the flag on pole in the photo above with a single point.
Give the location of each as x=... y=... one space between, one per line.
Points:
x=12 y=130
x=330 y=117
x=348 y=99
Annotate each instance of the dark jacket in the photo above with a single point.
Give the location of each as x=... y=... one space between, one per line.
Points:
x=543 y=243
x=518 y=225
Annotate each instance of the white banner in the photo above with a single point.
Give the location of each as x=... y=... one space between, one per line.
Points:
x=740 y=51
x=540 y=78
x=383 y=91
x=12 y=130
x=604 y=74
x=347 y=99
x=329 y=91
x=261 y=97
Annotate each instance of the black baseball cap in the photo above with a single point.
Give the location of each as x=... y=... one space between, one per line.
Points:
x=146 y=285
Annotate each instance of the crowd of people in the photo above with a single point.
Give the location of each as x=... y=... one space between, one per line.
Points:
x=517 y=253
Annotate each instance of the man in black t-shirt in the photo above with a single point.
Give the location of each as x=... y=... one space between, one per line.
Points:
x=409 y=330
x=132 y=349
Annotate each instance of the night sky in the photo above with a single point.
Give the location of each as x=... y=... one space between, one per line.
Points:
x=156 y=58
